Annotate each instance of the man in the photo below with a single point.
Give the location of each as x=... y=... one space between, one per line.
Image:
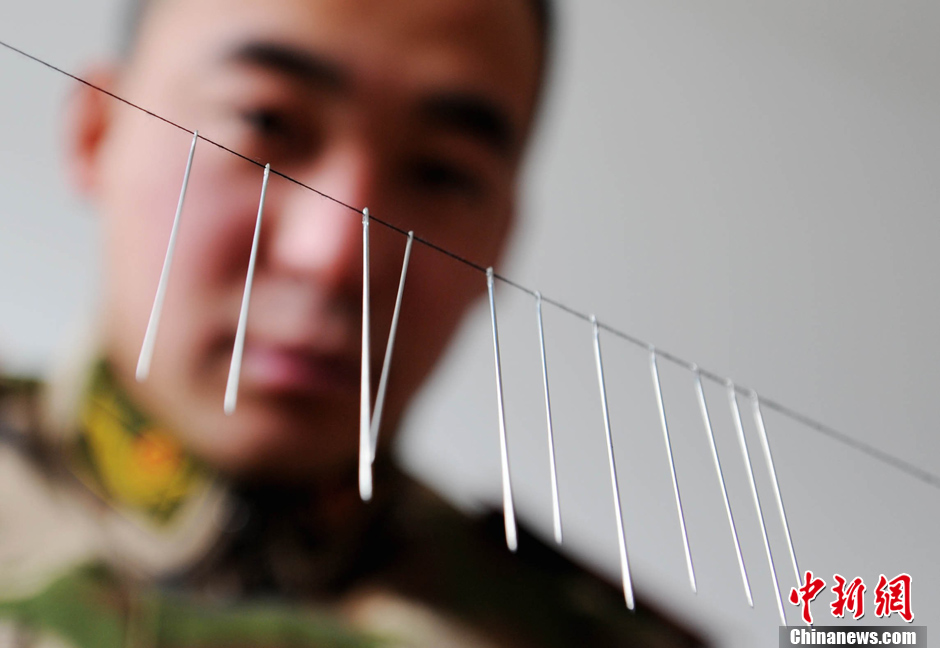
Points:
x=140 y=513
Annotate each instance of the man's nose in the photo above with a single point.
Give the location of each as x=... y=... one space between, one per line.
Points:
x=318 y=236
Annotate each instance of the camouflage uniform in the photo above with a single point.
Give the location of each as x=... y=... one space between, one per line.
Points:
x=111 y=536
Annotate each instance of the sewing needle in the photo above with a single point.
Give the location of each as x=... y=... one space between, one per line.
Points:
x=721 y=480
x=739 y=428
x=654 y=370
x=150 y=337
x=231 y=388
x=509 y=515
x=365 y=398
x=624 y=560
x=387 y=363
x=556 y=505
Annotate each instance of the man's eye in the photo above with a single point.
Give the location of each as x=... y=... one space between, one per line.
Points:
x=266 y=122
x=442 y=176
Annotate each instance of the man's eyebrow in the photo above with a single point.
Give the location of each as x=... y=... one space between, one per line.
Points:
x=472 y=115
x=300 y=64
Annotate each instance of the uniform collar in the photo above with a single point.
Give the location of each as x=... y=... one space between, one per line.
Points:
x=130 y=460
x=167 y=515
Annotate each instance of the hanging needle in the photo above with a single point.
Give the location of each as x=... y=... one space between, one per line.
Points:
x=768 y=457
x=721 y=480
x=654 y=369
x=386 y=365
x=509 y=515
x=365 y=398
x=231 y=388
x=739 y=427
x=624 y=561
x=556 y=505
x=150 y=337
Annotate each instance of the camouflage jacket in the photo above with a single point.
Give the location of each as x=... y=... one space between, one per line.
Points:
x=91 y=558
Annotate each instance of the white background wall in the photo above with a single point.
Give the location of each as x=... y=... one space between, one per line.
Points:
x=753 y=186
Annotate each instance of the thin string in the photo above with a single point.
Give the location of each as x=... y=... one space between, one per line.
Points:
x=875 y=453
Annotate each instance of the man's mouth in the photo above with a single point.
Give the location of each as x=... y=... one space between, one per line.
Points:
x=282 y=369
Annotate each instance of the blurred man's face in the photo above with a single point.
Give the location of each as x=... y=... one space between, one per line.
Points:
x=417 y=109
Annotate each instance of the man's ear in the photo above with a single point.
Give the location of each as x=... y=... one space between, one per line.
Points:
x=89 y=117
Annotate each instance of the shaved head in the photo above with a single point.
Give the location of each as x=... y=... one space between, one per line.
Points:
x=543 y=13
